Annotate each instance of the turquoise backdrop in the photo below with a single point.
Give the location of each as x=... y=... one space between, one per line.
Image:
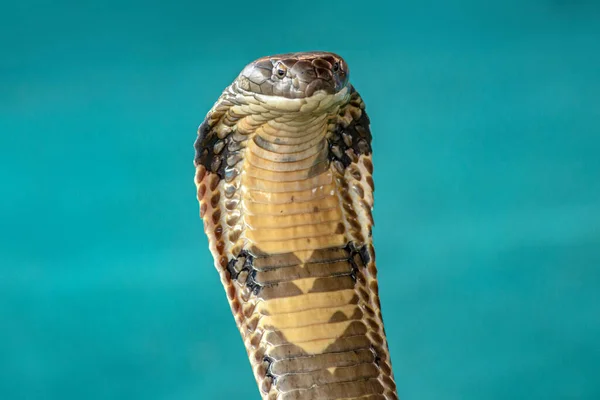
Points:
x=486 y=123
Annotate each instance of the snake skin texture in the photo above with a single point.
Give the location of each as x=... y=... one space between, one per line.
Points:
x=284 y=182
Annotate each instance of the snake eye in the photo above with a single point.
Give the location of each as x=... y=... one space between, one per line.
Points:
x=336 y=67
x=280 y=70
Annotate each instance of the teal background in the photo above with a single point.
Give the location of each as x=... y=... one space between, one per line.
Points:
x=486 y=123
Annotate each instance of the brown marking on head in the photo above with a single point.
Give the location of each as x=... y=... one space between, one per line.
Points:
x=294 y=75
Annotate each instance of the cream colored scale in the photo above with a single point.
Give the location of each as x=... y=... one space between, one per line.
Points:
x=290 y=204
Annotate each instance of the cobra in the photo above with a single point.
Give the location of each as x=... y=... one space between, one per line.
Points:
x=284 y=182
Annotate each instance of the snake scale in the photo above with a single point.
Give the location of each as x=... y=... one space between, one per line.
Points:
x=284 y=182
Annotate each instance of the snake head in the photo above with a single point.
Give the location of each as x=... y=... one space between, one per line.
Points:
x=295 y=75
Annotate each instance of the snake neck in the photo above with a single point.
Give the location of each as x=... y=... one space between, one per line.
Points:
x=288 y=191
x=295 y=141
x=302 y=276
x=297 y=265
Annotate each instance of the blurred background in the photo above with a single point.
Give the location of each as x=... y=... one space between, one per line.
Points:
x=486 y=122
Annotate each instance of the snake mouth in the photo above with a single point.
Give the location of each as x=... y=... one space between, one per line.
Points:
x=320 y=84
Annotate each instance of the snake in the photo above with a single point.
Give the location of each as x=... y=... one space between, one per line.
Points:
x=284 y=180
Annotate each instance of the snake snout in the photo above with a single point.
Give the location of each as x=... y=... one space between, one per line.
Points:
x=319 y=74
